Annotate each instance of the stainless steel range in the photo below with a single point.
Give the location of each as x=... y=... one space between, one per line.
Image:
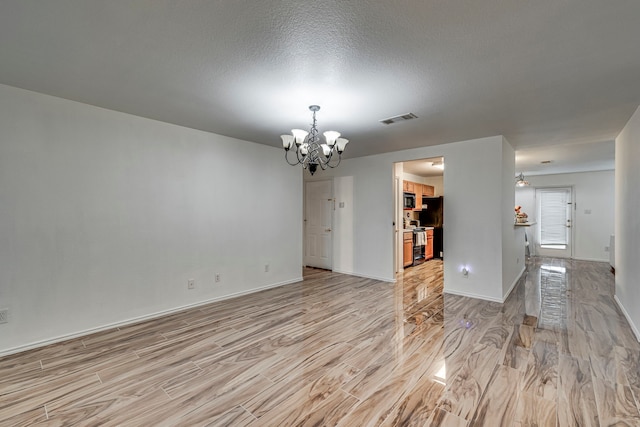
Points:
x=419 y=240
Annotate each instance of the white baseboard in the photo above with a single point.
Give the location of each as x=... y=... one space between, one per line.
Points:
x=631 y=324
x=591 y=259
x=139 y=319
x=513 y=285
x=350 y=273
x=471 y=295
x=485 y=298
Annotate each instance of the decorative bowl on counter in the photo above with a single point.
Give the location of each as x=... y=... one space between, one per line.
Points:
x=521 y=220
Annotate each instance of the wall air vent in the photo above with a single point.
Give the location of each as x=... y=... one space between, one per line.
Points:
x=400 y=118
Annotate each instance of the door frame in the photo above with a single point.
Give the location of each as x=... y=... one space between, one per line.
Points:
x=304 y=220
x=399 y=212
x=397 y=220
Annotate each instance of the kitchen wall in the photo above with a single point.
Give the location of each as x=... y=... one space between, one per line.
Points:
x=474 y=204
x=627 y=221
x=105 y=216
x=594 y=210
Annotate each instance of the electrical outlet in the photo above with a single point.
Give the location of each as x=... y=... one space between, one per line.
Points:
x=266 y=268
x=517 y=260
x=191 y=284
x=217 y=277
x=4 y=315
x=606 y=248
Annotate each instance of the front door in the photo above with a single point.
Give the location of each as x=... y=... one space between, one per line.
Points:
x=318 y=223
x=555 y=222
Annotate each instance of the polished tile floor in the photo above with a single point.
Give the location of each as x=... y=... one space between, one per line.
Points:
x=348 y=351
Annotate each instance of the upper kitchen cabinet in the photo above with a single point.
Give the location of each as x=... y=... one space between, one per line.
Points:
x=418 y=192
x=417 y=188
x=428 y=190
x=408 y=186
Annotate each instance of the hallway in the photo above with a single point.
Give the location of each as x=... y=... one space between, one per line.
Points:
x=343 y=350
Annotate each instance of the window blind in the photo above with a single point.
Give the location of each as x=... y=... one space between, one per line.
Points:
x=553 y=216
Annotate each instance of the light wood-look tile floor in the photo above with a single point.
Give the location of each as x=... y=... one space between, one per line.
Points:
x=348 y=351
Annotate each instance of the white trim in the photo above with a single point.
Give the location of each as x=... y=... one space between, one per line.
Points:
x=624 y=311
x=485 y=298
x=513 y=285
x=139 y=319
x=590 y=259
x=350 y=273
x=470 y=295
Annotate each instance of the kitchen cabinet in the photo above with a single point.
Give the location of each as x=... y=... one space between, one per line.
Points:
x=418 y=191
x=407 y=249
x=416 y=187
x=408 y=187
x=428 y=247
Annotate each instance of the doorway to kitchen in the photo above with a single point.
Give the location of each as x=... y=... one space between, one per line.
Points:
x=419 y=212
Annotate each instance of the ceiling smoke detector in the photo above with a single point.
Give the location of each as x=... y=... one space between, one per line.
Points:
x=400 y=118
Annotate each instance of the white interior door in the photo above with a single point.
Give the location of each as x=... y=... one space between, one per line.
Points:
x=555 y=222
x=319 y=206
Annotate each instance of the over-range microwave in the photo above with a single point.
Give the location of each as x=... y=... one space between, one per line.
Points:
x=409 y=200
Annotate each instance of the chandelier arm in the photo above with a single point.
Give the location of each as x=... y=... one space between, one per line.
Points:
x=324 y=161
x=286 y=157
x=331 y=156
x=339 y=160
x=303 y=160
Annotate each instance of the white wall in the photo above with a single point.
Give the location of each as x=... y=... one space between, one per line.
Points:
x=343 y=224
x=627 y=221
x=104 y=217
x=473 y=234
x=513 y=243
x=592 y=192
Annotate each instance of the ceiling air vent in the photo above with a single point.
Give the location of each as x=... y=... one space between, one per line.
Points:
x=400 y=118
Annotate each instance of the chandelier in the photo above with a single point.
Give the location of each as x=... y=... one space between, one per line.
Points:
x=309 y=151
x=520 y=181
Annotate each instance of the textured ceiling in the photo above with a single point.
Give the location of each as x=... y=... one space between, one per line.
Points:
x=541 y=73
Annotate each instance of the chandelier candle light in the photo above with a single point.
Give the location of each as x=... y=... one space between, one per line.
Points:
x=310 y=152
x=520 y=181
